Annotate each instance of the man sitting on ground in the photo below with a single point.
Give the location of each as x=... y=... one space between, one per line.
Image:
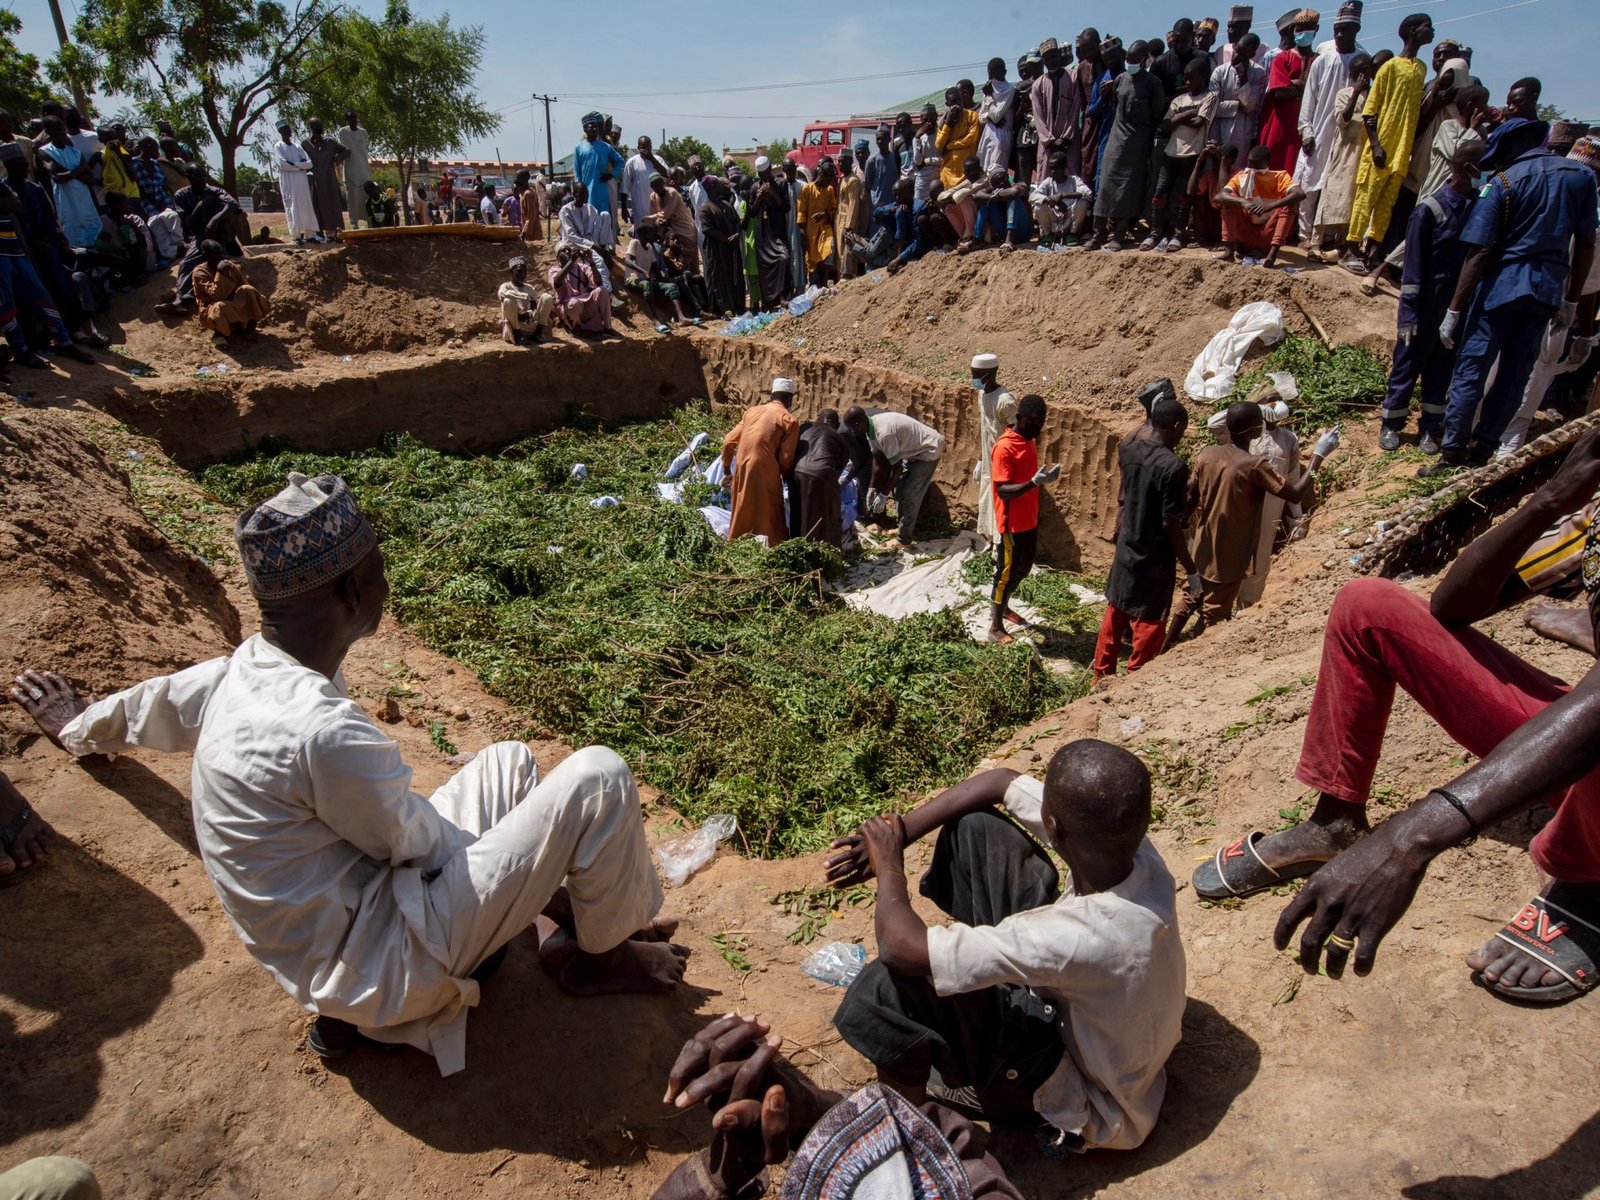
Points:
x=229 y=306
x=1537 y=738
x=1037 y=1002
x=526 y=313
x=1259 y=209
x=372 y=906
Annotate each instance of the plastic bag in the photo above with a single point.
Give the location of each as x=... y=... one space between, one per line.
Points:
x=604 y=502
x=682 y=856
x=1284 y=383
x=837 y=963
x=579 y=471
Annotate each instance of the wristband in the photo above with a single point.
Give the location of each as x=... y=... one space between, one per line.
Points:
x=1461 y=808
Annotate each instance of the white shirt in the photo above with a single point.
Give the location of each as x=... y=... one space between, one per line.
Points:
x=313 y=839
x=1329 y=72
x=1113 y=965
x=584 y=225
x=901 y=438
x=488 y=211
x=636 y=174
x=1048 y=189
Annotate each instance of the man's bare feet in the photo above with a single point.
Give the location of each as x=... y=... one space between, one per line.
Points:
x=1502 y=963
x=558 y=948
x=659 y=930
x=1569 y=626
x=1563 y=913
x=1332 y=826
x=49 y=699
x=23 y=838
x=631 y=967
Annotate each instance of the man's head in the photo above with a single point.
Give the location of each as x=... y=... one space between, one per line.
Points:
x=847 y=165
x=972 y=168
x=580 y=192
x=905 y=190
x=1050 y=56
x=1243 y=420
x=1182 y=37
x=312 y=560
x=1417 y=30
x=645 y=145
x=1169 y=419
x=1443 y=51
x=885 y=135
x=952 y=97
x=1563 y=134
x=1240 y=17
x=1156 y=390
x=518 y=267
x=1586 y=150
x=1260 y=157
x=791 y=169
x=1522 y=100
x=593 y=126
x=371 y=189
x=697 y=167
x=862 y=152
x=985 y=367
x=1346 y=25
x=285 y=131
x=827 y=171
x=1029 y=421
x=314 y=126
x=829 y=417
x=1306 y=23
x=996 y=68
x=855 y=420
x=350 y=118
x=195 y=173
x=1205 y=34
x=148 y=149
x=1197 y=76
x=930 y=115
x=1059 y=167
x=1244 y=53
x=1030 y=66
x=1096 y=802
x=658 y=184
x=1361 y=67
x=1138 y=55
x=73 y=119
x=1113 y=56
x=171 y=149
x=966 y=91
x=1089 y=45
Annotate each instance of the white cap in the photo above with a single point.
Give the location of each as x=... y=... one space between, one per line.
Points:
x=985 y=362
x=781 y=384
x=763 y=162
x=1218 y=421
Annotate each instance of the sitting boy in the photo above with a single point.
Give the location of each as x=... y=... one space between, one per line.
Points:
x=1039 y=1002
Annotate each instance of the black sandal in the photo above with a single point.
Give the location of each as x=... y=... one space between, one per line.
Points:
x=1548 y=931
x=1237 y=871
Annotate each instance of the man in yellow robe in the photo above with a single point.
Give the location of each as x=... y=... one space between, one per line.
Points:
x=1393 y=109
x=816 y=212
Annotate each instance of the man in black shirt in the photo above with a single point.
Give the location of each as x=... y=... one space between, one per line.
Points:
x=1152 y=513
x=207 y=212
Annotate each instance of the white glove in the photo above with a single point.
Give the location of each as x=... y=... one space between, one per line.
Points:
x=1447 y=329
x=1327 y=443
x=1046 y=475
x=1578 y=352
x=977 y=471
x=877 y=503
x=1567 y=314
x=1407 y=332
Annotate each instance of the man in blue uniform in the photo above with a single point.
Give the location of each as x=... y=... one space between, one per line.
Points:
x=1434 y=256
x=1535 y=209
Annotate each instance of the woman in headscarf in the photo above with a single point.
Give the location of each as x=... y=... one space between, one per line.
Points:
x=724 y=257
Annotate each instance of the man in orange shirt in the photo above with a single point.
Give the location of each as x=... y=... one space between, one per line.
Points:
x=1014 y=468
x=1259 y=209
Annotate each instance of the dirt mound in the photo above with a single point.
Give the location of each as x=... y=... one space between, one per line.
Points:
x=88 y=585
x=1077 y=327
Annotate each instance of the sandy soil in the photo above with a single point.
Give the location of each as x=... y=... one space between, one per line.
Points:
x=142 y=1037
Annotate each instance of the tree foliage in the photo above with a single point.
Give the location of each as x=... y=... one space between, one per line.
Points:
x=778 y=148
x=213 y=68
x=411 y=82
x=677 y=151
x=22 y=89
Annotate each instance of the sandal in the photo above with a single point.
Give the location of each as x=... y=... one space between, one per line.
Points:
x=1547 y=931
x=1237 y=871
x=1354 y=266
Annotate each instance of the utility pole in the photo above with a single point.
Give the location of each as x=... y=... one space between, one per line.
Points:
x=549 y=147
x=78 y=97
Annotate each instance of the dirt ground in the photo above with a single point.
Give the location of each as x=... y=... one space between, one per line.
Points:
x=141 y=1037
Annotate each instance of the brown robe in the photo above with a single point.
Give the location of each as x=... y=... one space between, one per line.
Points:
x=765 y=440
x=225 y=298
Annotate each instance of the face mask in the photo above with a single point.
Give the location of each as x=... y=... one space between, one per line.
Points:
x=1135 y=68
x=978 y=383
x=1304 y=38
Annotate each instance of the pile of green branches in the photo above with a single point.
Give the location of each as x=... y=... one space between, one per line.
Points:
x=725 y=673
x=1331 y=381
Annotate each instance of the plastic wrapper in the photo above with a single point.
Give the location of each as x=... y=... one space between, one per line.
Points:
x=837 y=963
x=682 y=856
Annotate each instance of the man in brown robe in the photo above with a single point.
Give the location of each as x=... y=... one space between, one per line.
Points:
x=765 y=441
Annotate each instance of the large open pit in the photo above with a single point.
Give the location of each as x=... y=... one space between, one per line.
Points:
x=141 y=1037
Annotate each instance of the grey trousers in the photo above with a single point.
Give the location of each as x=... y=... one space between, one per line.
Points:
x=909 y=493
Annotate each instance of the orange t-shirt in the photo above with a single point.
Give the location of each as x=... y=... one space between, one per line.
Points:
x=1014 y=460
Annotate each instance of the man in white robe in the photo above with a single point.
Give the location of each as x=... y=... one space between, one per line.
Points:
x=996 y=410
x=994 y=118
x=1239 y=86
x=372 y=906
x=1328 y=73
x=583 y=225
x=294 y=184
x=357 y=169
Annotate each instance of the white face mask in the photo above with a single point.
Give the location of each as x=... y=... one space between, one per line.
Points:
x=1304 y=38
x=1135 y=68
x=979 y=384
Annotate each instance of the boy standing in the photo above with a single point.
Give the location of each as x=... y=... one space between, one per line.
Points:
x=1039 y=1003
x=1014 y=468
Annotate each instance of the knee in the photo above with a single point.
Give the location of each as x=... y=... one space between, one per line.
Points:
x=1363 y=603
x=52 y=1178
x=610 y=776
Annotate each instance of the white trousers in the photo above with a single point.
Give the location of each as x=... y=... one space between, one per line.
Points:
x=166 y=228
x=1051 y=222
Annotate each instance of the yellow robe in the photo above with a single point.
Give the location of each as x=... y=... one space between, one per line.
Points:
x=815 y=212
x=1396 y=101
x=957 y=142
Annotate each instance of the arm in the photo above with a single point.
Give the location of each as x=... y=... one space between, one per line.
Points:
x=1483 y=580
x=851 y=863
x=1582 y=261
x=160 y=714
x=1471 y=275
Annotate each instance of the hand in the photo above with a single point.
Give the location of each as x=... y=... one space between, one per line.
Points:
x=1379 y=158
x=1447 y=329
x=1575 y=483
x=1358 y=896
x=1406 y=333
x=1308 y=144
x=886 y=845
x=49 y=699
x=852 y=864
x=1194 y=585
x=1578 y=352
x=1327 y=443
x=1046 y=475
x=1567 y=314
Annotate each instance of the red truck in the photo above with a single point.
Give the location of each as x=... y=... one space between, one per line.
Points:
x=832 y=138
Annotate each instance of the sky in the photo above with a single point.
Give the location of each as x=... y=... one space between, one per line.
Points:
x=842 y=56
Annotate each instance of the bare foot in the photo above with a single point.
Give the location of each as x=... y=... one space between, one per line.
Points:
x=558 y=947
x=659 y=930
x=1569 y=626
x=999 y=637
x=1333 y=826
x=631 y=967
x=27 y=845
x=1502 y=963
x=49 y=699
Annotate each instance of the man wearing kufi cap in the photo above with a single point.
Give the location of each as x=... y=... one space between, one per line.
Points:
x=769 y=208
x=1285 y=25
x=1240 y=18
x=372 y=906
x=294 y=184
x=757 y=453
x=1286 y=82
x=525 y=311
x=1056 y=105
x=595 y=163
x=1328 y=74
x=996 y=409
x=1205 y=34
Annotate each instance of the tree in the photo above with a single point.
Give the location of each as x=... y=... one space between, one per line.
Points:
x=677 y=151
x=22 y=90
x=778 y=148
x=213 y=68
x=1550 y=112
x=411 y=82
